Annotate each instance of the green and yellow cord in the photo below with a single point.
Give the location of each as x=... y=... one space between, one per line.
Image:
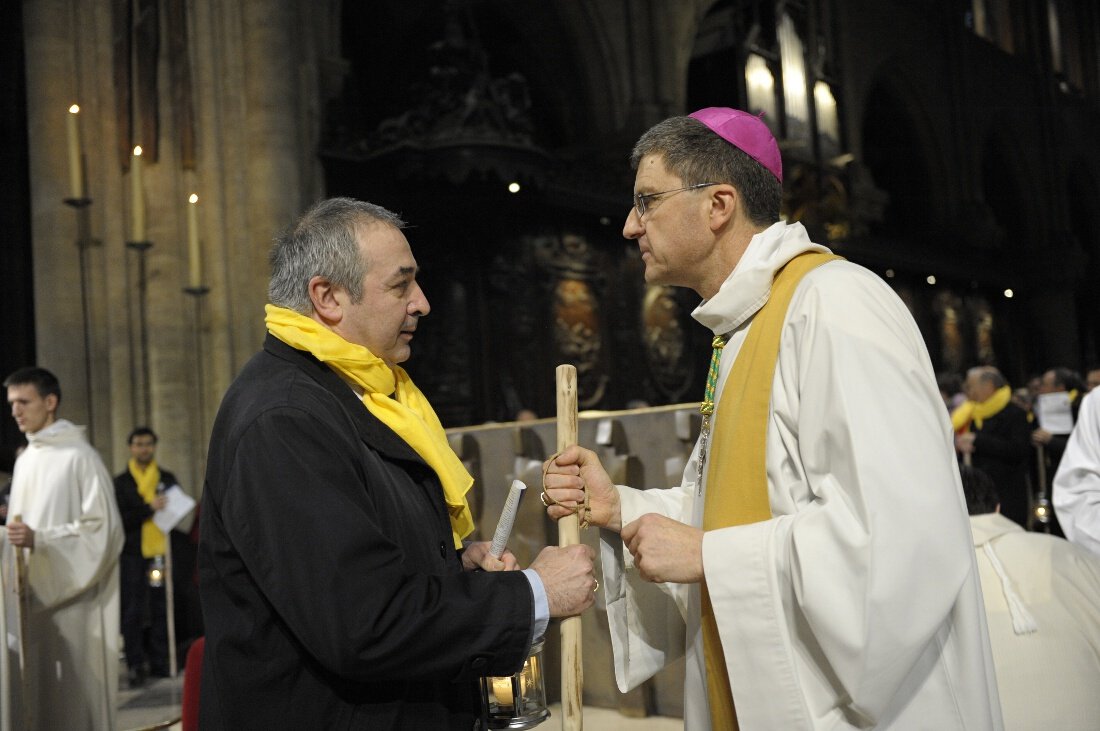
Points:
x=707 y=406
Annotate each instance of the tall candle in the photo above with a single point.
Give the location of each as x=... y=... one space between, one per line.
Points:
x=76 y=164
x=137 y=196
x=193 y=240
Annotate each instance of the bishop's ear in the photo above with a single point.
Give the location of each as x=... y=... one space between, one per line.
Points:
x=724 y=202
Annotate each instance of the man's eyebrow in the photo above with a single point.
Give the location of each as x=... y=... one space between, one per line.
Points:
x=404 y=272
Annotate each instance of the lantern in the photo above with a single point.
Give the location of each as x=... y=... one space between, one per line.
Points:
x=156 y=572
x=1042 y=509
x=518 y=701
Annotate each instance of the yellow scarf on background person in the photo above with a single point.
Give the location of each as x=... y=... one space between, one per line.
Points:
x=407 y=411
x=971 y=411
x=737 y=478
x=152 y=539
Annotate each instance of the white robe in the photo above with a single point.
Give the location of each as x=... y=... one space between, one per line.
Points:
x=858 y=604
x=1077 y=484
x=1050 y=678
x=64 y=493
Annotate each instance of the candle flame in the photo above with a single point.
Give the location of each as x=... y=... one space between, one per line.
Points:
x=194 y=198
x=137 y=150
x=74 y=109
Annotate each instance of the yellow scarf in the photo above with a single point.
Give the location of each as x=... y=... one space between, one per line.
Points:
x=970 y=411
x=408 y=412
x=152 y=540
x=737 y=478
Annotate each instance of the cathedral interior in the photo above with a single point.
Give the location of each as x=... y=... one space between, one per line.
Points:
x=152 y=148
x=948 y=145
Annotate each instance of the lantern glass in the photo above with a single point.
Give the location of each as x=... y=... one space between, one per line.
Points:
x=156 y=572
x=518 y=701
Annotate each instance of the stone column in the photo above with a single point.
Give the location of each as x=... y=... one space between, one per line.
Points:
x=256 y=119
x=75 y=313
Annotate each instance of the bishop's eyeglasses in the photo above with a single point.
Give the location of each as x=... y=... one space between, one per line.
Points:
x=641 y=199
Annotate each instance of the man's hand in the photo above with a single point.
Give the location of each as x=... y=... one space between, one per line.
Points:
x=665 y=549
x=20 y=534
x=566 y=478
x=1040 y=437
x=159 y=502
x=477 y=556
x=568 y=576
x=964 y=443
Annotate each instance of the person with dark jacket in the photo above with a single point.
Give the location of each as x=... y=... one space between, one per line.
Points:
x=993 y=434
x=1055 y=380
x=337 y=591
x=139 y=492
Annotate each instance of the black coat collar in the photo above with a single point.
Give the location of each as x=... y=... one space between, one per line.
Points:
x=372 y=431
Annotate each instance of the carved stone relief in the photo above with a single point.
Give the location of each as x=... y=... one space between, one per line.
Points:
x=665 y=341
x=948 y=309
x=575 y=306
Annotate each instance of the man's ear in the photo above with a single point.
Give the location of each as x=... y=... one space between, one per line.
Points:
x=51 y=403
x=322 y=293
x=724 y=202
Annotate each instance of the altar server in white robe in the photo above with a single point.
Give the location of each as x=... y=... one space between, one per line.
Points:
x=815 y=564
x=70 y=535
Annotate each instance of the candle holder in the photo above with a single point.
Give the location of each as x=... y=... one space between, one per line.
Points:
x=84 y=241
x=143 y=329
x=198 y=292
x=518 y=701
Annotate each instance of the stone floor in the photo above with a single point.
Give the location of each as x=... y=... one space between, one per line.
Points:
x=154 y=706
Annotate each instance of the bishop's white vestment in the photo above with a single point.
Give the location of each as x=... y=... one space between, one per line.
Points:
x=858 y=604
x=62 y=490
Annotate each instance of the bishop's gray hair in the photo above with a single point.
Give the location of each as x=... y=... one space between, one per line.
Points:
x=323 y=243
x=695 y=154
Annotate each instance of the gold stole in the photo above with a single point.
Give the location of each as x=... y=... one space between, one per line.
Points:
x=737 y=481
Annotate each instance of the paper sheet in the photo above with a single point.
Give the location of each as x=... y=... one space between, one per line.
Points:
x=179 y=505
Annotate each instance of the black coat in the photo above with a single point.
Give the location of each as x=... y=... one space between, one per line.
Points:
x=331 y=590
x=133 y=508
x=1001 y=449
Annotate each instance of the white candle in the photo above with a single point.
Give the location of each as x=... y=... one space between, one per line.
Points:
x=193 y=240
x=76 y=165
x=137 y=196
x=502 y=690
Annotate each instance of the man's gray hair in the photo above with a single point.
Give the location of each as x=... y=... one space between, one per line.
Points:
x=989 y=374
x=323 y=243
x=692 y=151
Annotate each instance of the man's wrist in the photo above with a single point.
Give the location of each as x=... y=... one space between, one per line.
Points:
x=541 y=604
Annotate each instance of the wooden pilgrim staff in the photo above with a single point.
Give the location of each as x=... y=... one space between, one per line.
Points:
x=23 y=608
x=569 y=534
x=169 y=596
x=1041 y=470
x=170 y=605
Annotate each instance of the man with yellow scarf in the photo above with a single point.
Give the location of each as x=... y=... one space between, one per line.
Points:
x=139 y=492
x=994 y=432
x=336 y=588
x=815 y=564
